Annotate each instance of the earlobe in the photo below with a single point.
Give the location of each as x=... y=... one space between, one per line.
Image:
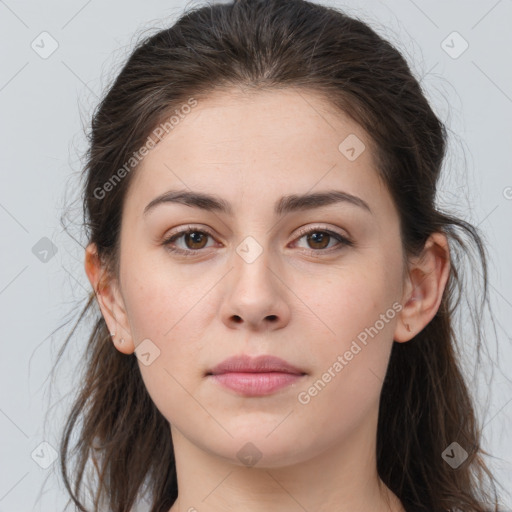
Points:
x=426 y=282
x=109 y=300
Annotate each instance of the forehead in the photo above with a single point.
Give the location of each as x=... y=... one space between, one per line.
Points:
x=274 y=122
x=279 y=141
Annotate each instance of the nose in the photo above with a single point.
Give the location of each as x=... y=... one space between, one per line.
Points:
x=256 y=296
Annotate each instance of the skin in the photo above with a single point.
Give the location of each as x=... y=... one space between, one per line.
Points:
x=199 y=310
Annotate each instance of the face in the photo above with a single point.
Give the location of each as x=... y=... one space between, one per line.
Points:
x=317 y=283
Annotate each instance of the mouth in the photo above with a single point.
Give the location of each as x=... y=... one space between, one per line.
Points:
x=258 y=376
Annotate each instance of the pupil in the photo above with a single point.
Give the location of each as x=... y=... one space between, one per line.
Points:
x=318 y=238
x=195 y=237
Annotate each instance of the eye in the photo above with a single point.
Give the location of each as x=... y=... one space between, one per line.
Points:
x=319 y=239
x=196 y=239
x=193 y=238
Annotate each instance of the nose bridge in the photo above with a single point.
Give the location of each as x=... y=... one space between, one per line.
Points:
x=255 y=294
x=252 y=263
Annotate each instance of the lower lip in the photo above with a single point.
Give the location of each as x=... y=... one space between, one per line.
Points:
x=256 y=384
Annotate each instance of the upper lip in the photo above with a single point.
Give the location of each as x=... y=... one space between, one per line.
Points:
x=260 y=364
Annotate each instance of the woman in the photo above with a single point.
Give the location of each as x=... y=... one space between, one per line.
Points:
x=276 y=285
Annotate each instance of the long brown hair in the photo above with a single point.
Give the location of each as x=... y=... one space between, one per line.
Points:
x=271 y=44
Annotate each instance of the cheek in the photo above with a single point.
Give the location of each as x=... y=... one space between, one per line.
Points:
x=161 y=300
x=357 y=312
x=349 y=301
x=165 y=311
x=168 y=307
x=349 y=371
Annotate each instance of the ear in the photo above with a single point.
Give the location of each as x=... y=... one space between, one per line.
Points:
x=424 y=287
x=110 y=301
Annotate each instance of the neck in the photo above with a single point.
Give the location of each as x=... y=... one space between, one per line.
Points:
x=343 y=478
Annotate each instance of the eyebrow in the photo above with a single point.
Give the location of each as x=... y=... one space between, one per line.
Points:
x=286 y=204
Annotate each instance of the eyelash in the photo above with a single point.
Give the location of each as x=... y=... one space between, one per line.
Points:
x=343 y=241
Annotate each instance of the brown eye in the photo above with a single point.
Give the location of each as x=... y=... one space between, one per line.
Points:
x=318 y=239
x=195 y=239
x=192 y=240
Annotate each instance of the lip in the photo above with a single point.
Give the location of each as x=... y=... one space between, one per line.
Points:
x=261 y=364
x=255 y=376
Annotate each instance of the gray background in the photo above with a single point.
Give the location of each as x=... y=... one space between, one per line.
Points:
x=46 y=99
